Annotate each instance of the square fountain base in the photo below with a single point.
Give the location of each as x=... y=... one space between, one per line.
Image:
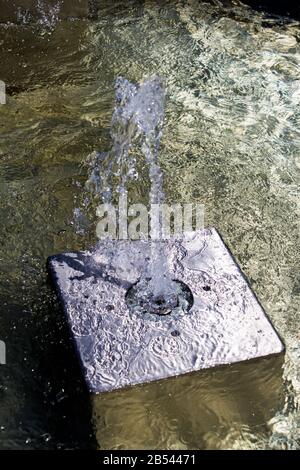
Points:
x=119 y=348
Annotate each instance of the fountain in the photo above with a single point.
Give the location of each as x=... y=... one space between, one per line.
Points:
x=144 y=310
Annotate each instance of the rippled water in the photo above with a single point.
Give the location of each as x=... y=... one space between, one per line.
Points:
x=231 y=141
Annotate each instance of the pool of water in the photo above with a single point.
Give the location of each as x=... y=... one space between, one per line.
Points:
x=231 y=142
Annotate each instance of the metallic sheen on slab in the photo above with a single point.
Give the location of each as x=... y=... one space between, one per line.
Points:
x=118 y=348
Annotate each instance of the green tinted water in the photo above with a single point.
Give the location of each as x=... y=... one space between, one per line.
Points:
x=231 y=141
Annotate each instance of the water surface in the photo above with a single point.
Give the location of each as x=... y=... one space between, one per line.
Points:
x=231 y=141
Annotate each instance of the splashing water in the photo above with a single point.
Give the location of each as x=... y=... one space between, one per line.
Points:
x=139 y=114
x=233 y=123
x=49 y=14
x=140 y=109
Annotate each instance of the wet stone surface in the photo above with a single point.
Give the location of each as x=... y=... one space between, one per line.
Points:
x=221 y=322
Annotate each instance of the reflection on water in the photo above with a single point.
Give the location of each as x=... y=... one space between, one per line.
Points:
x=231 y=141
x=225 y=408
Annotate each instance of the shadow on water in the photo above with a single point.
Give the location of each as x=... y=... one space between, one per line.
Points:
x=288 y=8
x=46 y=403
x=71 y=422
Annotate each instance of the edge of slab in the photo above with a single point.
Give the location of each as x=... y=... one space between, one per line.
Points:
x=52 y=274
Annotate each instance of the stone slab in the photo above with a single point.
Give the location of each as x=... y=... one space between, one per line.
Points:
x=118 y=348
